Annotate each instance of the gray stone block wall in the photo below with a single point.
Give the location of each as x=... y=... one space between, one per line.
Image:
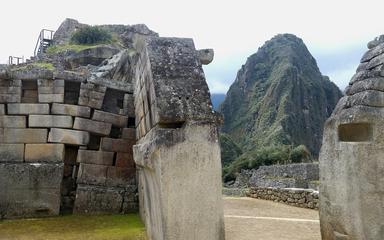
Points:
x=305 y=198
x=39 y=133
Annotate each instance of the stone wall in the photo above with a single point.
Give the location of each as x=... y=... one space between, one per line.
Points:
x=299 y=175
x=305 y=198
x=63 y=146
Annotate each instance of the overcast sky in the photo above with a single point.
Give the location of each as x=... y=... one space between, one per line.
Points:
x=335 y=31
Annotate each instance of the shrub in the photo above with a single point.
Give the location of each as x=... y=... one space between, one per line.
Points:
x=91 y=35
x=300 y=154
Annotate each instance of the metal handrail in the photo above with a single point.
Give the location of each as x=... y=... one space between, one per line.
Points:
x=11 y=58
x=41 y=39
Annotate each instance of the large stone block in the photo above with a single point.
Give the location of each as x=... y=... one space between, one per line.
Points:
x=115 y=119
x=95 y=157
x=51 y=98
x=2 y=109
x=24 y=135
x=11 y=152
x=99 y=128
x=50 y=121
x=125 y=160
x=72 y=110
x=92 y=95
x=12 y=121
x=27 y=108
x=171 y=165
x=30 y=190
x=116 y=145
x=129 y=133
x=120 y=177
x=50 y=153
x=98 y=200
x=92 y=174
x=71 y=137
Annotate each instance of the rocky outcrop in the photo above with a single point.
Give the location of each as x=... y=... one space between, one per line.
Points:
x=279 y=97
x=351 y=159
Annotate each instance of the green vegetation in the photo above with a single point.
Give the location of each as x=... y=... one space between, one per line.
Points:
x=229 y=149
x=54 y=49
x=45 y=65
x=91 y=35
x=263 y=156
x=75 y=227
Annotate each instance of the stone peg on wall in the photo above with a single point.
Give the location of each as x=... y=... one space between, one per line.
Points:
x=206 y=56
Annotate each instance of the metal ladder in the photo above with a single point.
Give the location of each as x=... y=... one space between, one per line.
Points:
x=44 y=41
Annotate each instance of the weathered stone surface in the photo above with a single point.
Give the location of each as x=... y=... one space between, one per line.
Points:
x=129 y=133
x=95 y=157
x=2 y=109
x=27 y=108
x=100 y=128
x=376 y=51
x=125 y=160
x=171 y=71
x=129 y=105
x=50 y=153
x=92 y=95
x=367 y=98
x=120 y=177
x=97 y=200
x=115 y=119
x=375 y=42
x=30 y=190
x=93 y=56
x=367 y=84
x=13 y=121
x=72 y=110
x=71 y=137
x=31 y=73
x=116 y=145
x=11 y=152
x=160 y=158
x=92 y=174
x=206 y=56
x=50 y=121
x=376 y=61
x=51 y=98
x=351 y=162
x=24 y=135
x=305 y=198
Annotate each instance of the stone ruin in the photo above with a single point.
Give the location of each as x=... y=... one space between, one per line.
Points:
x=110 y=128
x=352 y=156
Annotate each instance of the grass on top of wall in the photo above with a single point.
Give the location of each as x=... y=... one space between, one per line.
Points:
x=75 y=227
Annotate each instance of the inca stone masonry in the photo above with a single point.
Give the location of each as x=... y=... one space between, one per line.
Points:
x=109 y=126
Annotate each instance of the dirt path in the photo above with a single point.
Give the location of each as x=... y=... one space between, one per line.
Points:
x=252 y=219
